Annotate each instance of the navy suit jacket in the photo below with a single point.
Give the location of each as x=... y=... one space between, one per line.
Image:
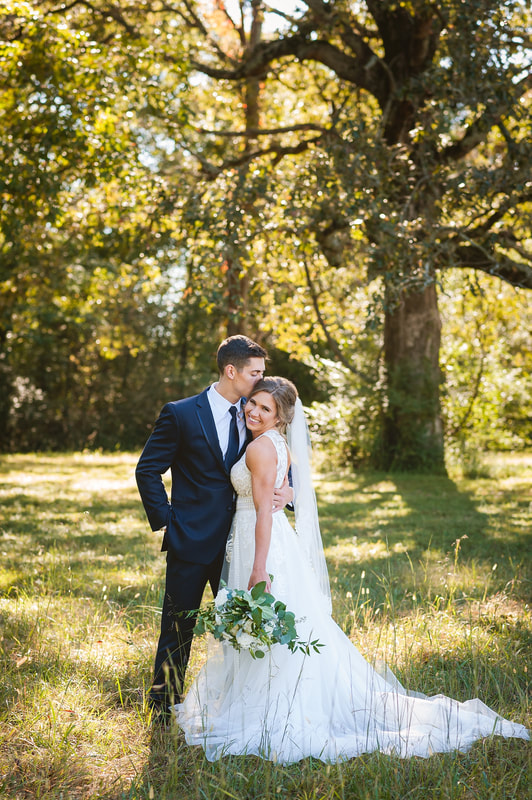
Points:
x=198 y=517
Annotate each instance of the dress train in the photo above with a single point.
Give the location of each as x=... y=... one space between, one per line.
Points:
x=330 y=705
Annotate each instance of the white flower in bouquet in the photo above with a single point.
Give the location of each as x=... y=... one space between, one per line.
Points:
x=245 y=641
x=221 y=597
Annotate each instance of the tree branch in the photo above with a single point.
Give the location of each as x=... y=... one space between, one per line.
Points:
x=356 y=43
x=506 y=205
x=366 y=72
x=211 y=171
x=472 y=255
x=278 y=13
x=253 y=133
x=478 y=130
x=116 y=14
x=474 y=393
x=108 y=11
x=62 y=8
x=333 y=344
x=197 y=23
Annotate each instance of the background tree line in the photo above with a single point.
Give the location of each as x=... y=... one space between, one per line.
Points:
x=347 y=182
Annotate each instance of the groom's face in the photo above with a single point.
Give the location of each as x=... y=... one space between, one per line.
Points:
x=246 y=378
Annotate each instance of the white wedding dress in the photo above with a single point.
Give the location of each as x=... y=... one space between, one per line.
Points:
x=330 y=705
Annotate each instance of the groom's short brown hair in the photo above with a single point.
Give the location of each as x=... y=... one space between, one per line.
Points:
x=237 y=350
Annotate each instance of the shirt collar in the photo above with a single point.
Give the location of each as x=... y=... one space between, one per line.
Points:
x=220 y=403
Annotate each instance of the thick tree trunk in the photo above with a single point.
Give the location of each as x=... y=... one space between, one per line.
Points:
x=412 y=432
x=237 y=294
x=238 y=279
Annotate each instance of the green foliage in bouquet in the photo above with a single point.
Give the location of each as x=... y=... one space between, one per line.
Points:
x=251 y=620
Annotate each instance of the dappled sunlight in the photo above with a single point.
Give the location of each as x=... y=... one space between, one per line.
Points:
x=80 y=623
x=359 y=550
x=92 y=476
x=428 y=576
x=91 y=485
x=515 y=464
x=83 y=482
x=383 y=491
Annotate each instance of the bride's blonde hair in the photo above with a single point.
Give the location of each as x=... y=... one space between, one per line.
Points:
x=284 y=393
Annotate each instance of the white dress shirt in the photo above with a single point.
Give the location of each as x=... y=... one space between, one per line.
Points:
x=222 y=417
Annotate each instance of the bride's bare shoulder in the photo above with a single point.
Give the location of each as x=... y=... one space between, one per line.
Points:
x=261 y=448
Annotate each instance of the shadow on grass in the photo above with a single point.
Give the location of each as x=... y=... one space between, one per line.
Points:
x=74 y=547
x=463 y=674
x=405 y=530
x=416 y=510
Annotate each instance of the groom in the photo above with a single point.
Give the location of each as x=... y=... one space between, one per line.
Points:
x=199 y=438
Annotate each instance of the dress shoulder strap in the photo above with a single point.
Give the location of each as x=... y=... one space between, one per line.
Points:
x=281 y=448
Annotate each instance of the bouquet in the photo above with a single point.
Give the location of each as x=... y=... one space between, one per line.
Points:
x=251 y=620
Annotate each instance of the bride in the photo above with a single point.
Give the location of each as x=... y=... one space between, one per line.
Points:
x=330 y=705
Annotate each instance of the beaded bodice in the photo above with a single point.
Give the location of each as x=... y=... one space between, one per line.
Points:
x=241 y=476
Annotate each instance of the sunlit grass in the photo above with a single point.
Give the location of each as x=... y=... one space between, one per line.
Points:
x=431 y=575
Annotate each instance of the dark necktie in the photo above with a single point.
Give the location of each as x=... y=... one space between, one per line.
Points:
x=233 y=445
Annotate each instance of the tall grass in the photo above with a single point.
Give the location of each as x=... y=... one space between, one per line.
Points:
x=430 y=574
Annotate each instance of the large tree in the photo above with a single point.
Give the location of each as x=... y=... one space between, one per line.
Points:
x=408 y=124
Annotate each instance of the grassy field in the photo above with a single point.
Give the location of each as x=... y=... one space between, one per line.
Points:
x=431 y=574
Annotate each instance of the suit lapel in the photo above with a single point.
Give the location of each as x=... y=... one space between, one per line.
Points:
x=206 y=421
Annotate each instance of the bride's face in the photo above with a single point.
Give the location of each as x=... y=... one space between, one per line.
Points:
x=261 y=413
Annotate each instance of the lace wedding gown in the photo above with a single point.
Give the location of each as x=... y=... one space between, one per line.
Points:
x=330 y=705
